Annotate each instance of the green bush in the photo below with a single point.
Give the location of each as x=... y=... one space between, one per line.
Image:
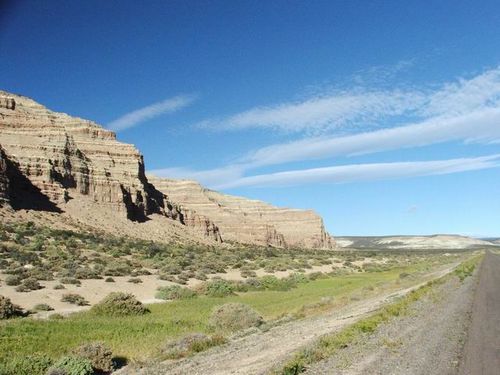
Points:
x=219 y=288
x=42 y=307
x=174 y=292
x=119 y=304
x=109 y=280
x=8 y=309
x=273 y=283
x=13 y=280
x=74 y=299
x=134 y=280
x=28 y=285
x=27 y=365
x=59 y=286
x=70 y=281
x=72 y=366
x=100 y=356
x=234 y=317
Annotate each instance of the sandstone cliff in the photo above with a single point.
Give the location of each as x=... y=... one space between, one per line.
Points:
x=67 y=158
x=53 y=162
x=249 y=221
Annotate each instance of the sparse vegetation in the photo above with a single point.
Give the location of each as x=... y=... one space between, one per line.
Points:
x=74 y=299
x=190 y=344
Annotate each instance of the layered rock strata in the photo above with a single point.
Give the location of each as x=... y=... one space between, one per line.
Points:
x=66 y=158
x=249 y=221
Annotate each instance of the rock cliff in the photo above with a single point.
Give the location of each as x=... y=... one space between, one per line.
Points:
x=67 y=158
x=53 y=162
x=249 y=221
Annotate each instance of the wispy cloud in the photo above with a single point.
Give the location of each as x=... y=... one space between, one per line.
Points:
x=365 y=172
x=478 y=126
x=467 y=111
x=138 y=116
x=360 y=106
x=326 y=111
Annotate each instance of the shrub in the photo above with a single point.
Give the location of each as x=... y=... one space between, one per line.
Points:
x=13 y=280
x=74 y=299
x=100 y=356
x=56 y=316
x=71 y=281
x=59 y=286
x=28 y=285
x=174 y=292
x=134 y=280
x=42 y=307
x=109 y=280
x=26 y=365
x=119 y=304
x=191 y=343
x=8 y=309
x=273 y=283
x=70 y=365
x=219 y=288
x=234 y=317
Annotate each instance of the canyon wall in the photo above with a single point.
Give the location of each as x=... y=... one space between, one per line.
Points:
x=246 y=220
x=55 y=162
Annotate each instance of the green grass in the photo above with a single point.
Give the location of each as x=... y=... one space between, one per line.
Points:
x=139 y=337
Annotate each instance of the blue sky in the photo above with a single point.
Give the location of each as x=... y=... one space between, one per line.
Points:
x=383 y=116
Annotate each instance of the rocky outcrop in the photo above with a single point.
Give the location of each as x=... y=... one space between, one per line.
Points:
x=4 y=178
x=66 y=158
x=54 y=162
x=249 y=221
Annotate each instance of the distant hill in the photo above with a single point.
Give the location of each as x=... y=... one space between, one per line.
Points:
x=439 y=241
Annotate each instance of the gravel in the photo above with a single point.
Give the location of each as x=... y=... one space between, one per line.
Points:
x=428 y=341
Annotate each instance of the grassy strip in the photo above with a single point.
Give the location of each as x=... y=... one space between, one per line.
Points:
x=329 y=344
x=139 y=338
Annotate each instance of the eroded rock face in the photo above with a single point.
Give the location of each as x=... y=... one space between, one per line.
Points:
x=4 y=178
x=249 y=221
x=67 y=157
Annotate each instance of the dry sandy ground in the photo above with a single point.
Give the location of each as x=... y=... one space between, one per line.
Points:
x=95 y=290
x=259 y=352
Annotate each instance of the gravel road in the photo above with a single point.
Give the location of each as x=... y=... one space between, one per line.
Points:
x=482 y=349
x=428 y=341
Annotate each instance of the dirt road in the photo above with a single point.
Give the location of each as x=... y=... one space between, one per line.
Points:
x=482 y=348
x=258 y=353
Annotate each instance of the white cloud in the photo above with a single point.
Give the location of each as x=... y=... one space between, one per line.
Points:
x=365 y=172
x=359 y=106
x=135 y=117
x=328 y=111
x=478 y=126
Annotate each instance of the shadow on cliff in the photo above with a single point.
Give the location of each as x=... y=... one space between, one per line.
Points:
x=23 y=195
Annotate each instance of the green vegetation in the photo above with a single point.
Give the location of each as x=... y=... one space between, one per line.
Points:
x=174 y=292
x=140 y=336
x=466 y=269
x=119 y=304
x=26 y=365
x=74 y=299
x=72 y=365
